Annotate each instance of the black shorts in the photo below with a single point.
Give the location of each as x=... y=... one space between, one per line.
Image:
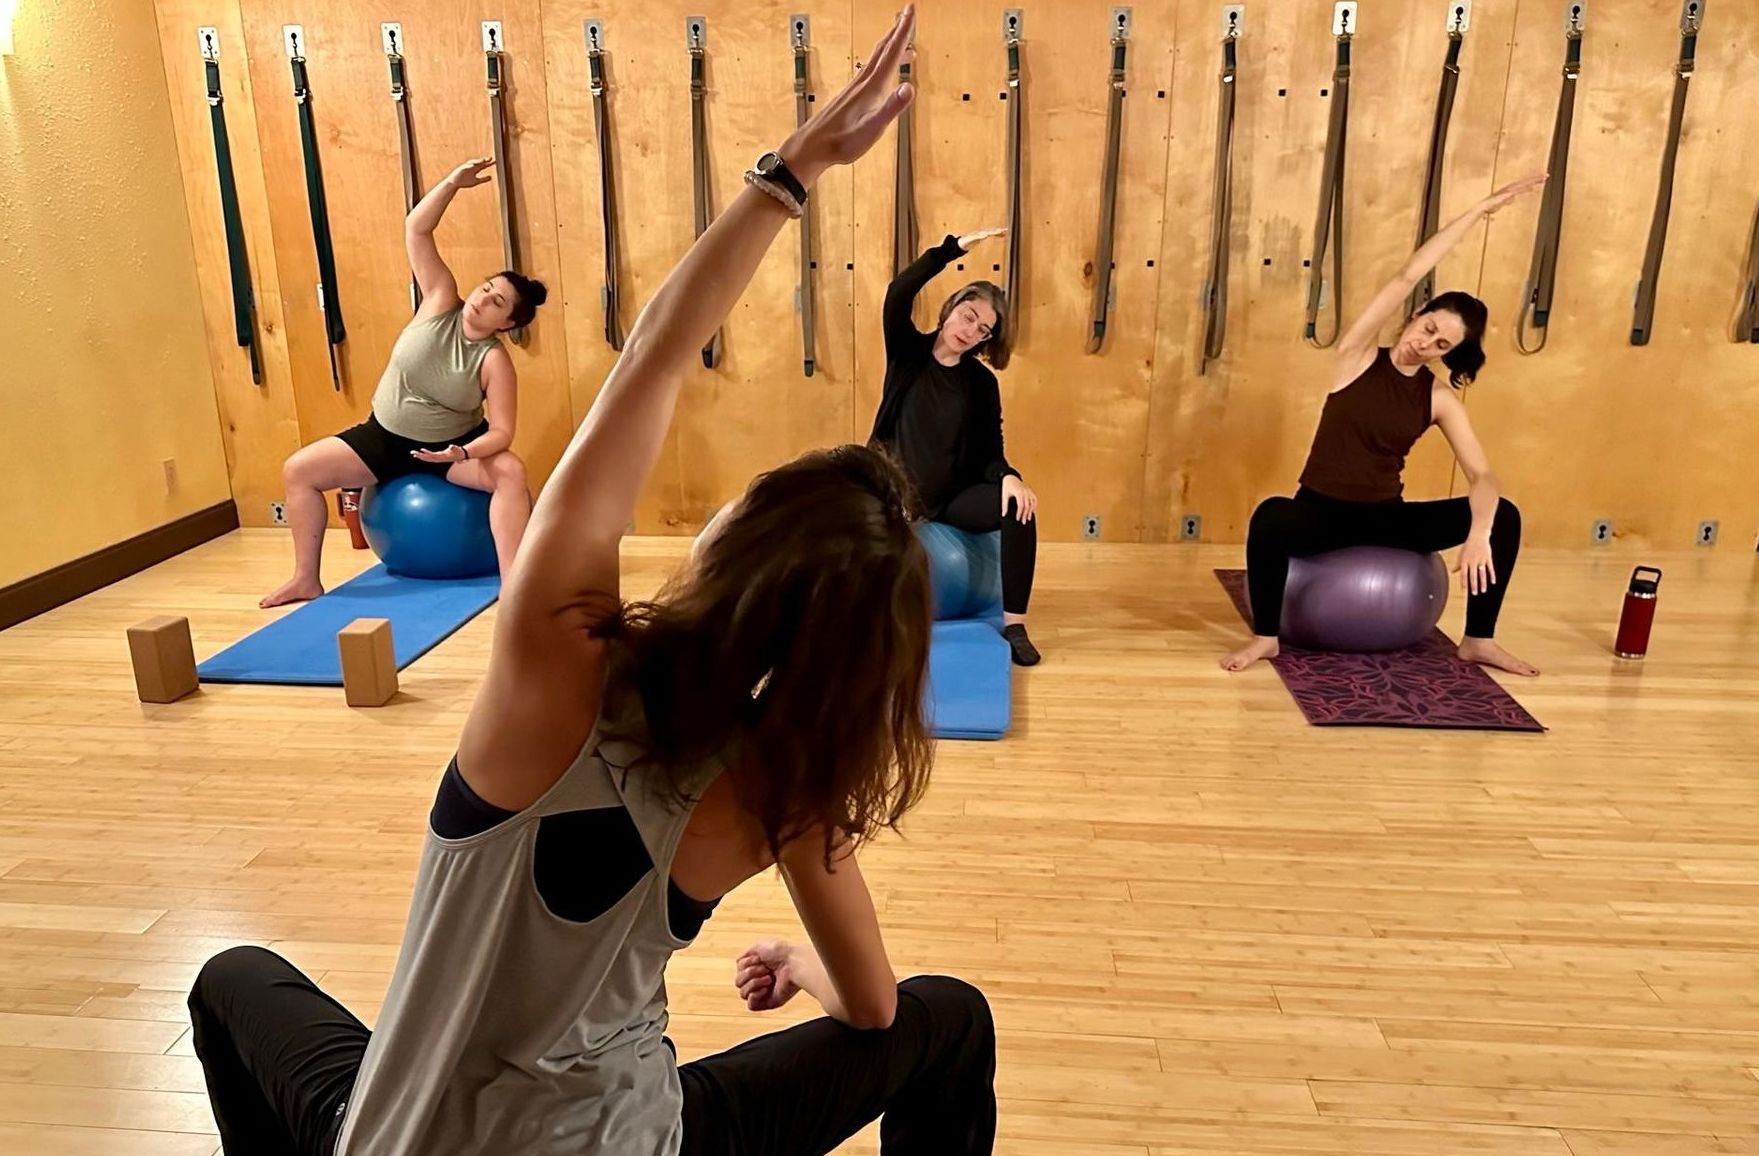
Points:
x=387 y=454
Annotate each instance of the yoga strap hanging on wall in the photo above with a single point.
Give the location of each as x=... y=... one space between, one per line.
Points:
x=1013 y=21
x=1747 y=324
x=328 y=300
x=1542 y=274
x=1108 y=197
x=601 y=119
x=244 y=322
x=393 y=36
x=1215 y=286
x=799 y=33
x=1644 y=317
x=696 y=40
x=1328 y=229
x=494 y=60
x=904 y=231
x=1429 y=220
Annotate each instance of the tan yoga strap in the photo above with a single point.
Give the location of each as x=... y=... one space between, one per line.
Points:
x=1429 y=219
x=1215 y=286
x=1328 y=229
x=1643 y=319
x=696 y=40
x=1542 y=273
x=495 y=61
x=1108 y=197
x=1747 y=324
x=799 y=35
x=601 y=119
x=905 y=236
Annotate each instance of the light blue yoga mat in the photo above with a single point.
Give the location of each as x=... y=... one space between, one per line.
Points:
x=299 y=648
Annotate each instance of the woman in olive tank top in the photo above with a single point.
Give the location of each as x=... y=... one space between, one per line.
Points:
x=428 y=410
x=623 y=767
x=1381 y=400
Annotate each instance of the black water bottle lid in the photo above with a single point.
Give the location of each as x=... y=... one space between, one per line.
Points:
x=1642 y=585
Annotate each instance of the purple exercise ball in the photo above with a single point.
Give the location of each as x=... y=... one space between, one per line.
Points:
x=1363 y=598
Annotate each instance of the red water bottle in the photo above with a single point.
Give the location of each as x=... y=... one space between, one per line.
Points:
x=1638 y=615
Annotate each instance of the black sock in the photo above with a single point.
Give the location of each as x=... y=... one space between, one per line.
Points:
x=1025 y=654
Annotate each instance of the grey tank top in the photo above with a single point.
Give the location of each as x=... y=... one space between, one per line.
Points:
x=509 y=1028
x=432 y=390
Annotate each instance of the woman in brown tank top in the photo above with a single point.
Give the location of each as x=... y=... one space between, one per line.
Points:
x=1382 y=400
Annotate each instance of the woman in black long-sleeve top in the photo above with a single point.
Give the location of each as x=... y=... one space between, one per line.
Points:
x=941 y=417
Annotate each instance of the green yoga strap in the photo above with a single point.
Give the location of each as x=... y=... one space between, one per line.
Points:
x=405 y=139
x=1542 y=274
x=1643 y=319
x=696 y=40
x=1100 y=311
x=334 y=331
x=1328 y=229
x=1429 y=219
x=237 y=257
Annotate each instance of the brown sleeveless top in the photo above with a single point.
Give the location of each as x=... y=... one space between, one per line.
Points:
x=1365 y=431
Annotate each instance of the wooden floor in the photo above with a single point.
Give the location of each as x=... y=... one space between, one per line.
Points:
x=1205 y=927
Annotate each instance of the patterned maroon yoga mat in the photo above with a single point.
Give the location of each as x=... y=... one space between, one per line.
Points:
x=1425 y=685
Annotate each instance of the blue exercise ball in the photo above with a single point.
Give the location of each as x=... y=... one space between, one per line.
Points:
x=422 y=526
x=965 y=570
x=1364 y=598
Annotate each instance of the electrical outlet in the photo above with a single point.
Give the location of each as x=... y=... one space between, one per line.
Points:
x=1601 y=533
x=1191 y=528
x=1090 y=526
x=169 y=465
x=278 y=513
x=1707 y=532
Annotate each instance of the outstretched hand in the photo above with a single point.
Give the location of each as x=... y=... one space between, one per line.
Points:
x=472 y=173
x=854 y=119
x=1512 y=192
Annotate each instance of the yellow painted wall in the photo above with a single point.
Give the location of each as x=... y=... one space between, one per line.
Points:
x=105 y=361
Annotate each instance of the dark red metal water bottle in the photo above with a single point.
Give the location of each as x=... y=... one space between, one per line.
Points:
x=1639 y=613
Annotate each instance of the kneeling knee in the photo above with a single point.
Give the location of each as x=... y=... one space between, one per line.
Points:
x=226 y=972
x=947 y=996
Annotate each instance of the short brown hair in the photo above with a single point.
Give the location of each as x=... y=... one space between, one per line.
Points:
x=997 y=349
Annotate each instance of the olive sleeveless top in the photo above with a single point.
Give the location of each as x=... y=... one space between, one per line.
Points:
x=431 y=390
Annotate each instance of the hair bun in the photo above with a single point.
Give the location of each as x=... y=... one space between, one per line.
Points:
x=537 y=291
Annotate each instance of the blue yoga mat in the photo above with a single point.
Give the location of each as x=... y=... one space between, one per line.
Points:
x=299 y=648
x=970 y=680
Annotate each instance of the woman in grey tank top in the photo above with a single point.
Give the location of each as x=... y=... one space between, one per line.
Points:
x=623 y=767
x=428 y=410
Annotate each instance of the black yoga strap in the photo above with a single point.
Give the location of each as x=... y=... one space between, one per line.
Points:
x=797 y=33
x=405 y=140
x=1215 y=286
x=1016 y=98
x=1643 y=319
x=1542 y=273
x=237 y=256
x=696 y=37
x=495 y=61
x=1429 y=220
x=1108 y=197
x=335 y=332
x=1328 y=229
x=601 y=118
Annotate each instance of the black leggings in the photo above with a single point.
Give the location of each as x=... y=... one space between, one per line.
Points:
x=1309 y=523
x=280 y=1059
x=978 y=510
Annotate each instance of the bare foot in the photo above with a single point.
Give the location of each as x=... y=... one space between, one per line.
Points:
x=1487 y=652
x=1250 y=653
x=295 y=590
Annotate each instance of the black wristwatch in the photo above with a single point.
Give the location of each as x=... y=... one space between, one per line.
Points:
x=771 y=167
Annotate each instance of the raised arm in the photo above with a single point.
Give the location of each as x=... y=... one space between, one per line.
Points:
x=1363 y=335
x=538 y=699
x=439 y=289
x=901 y=293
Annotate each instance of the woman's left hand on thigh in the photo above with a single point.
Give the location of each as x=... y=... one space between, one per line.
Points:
x=1026 y=502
